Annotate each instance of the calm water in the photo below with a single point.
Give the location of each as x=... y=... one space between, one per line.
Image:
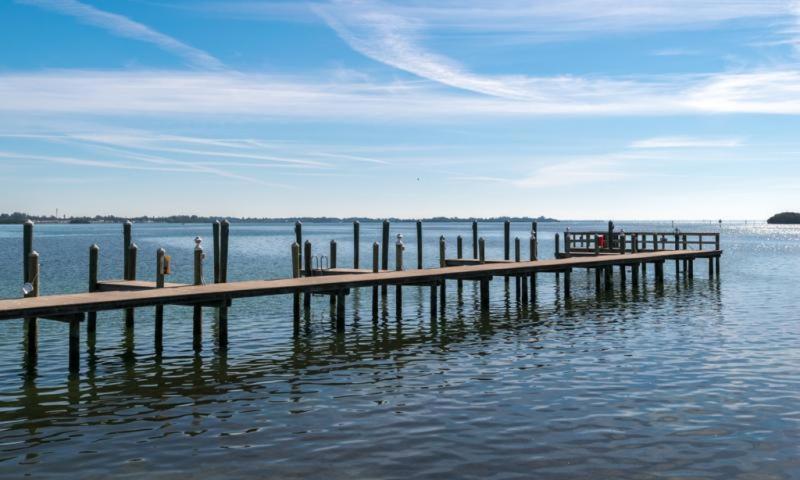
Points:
x=699 y=379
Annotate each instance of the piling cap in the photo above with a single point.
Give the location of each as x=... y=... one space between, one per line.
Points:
x=197 y=242
x=94 y=247
x=29 y=222
x=128 y=222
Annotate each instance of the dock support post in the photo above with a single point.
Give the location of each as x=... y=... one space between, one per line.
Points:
x=159 y=320
x=375 y=267
x=691 y=267
x=533 y=255
x=215 y=230
x=332 y=264
x=434 y=289
x=197 y=317
x=94 y=261
x=710 y=267
x=686 y=266
x=609 y=281
x=518 y=277
x=27 y=248
x=398 y=265
x=296 y=294
x=419 y=244
x=635 y=275
x=597 y=283
x=481 y=250
x=659 y=265
x=506 y=240
x=31 y=323
x=126 y=242
x=356 y=244
x=623 y=275
x=567 y=282
x=132 y=253
x=224 y=236
x=340 y=302
x=610 y=239
x=716 y=247
x=677 y=262
x=484 y=293
x=460 y=255
x=443 y=283
x=475 y=239
x=307 y=264
x=385 y=252
x=74 y=343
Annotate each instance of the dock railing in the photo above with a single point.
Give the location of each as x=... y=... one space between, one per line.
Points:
x=600 y=243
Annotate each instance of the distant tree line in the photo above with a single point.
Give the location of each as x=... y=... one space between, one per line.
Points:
x=785 y=218
x=19 y=218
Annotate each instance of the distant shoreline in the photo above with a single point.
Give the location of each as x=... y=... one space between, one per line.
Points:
x=18 y=218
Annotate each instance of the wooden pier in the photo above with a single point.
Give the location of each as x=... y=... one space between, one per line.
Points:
x=598 y=251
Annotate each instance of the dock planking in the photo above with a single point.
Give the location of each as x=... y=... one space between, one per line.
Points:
x=69 y=304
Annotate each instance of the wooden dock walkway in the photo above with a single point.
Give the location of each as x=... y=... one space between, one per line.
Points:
x=598 y=251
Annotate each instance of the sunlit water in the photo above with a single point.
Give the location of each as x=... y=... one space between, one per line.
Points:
x=698 y=379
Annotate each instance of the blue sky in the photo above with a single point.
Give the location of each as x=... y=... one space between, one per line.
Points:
x=648 y=109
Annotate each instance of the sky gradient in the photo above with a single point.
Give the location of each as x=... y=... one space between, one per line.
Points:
x=576 y=109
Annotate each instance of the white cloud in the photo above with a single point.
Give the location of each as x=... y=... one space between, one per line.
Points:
x=687 y=142
x=125 y=27
x=216 y=94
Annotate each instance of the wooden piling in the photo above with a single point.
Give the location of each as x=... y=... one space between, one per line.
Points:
x=419 y=244
x=475 y=239
x=677 y=262
x=517 y=278
x=433 y=307
x=126 y=247
x=224 y=234
x=31 y=324
x=332 y=264
x=533 y=254
x=566 y=242
x=74 y=343
x=132 y=254
x=567 y=282
x=298 y=237
x=610 y=238
x=215 y=230
x=691 y=268
x=442 y=264
x=296 y=294
x=159 y=317
x=398 y=265
x=384 y=252
x=94 y=262
x=460 y=255
x=356 y=243
x=197 y=317
x=716 y=246
x=340 y=312
x=506 y=240
x=481 y=250
x=27 y=248
x=375 y=268
x=307 y=268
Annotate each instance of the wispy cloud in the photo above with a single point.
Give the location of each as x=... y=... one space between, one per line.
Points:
x=124 y=27
x=165 y=93
x=687 y=142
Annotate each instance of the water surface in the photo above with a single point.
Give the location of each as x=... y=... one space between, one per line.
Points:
x=698 y=379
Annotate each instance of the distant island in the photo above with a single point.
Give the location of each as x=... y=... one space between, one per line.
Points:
x=785 y=218
x=20 y=218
